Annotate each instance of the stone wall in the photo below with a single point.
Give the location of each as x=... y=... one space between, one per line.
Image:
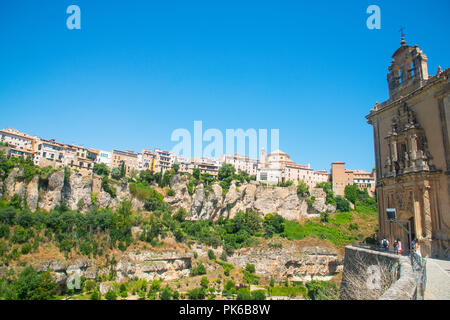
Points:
x=374 y=275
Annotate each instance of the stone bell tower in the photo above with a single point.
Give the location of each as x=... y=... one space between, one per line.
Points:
x=412 y=152
x=408 y=70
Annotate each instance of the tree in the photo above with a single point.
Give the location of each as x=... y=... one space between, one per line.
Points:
x=146 y=176
x=244 y=294
x=123 y=171
x=272 y=282
x=101 y=169
x=342 y=204
x=196 y=294
x=351 y=193
x=324 y=216
x=196 y=173
x=204 y=282
x=176 y=167
x=34 y=286
x=166 y=293
x=229 y=285
x=116 y=173
x=302 y=189
x=226 y=171
x=273 y=223
x=248 y=222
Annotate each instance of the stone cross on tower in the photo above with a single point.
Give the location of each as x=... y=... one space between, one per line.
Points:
x=403 y=42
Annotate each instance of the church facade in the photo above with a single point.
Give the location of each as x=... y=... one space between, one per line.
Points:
x=412 y=152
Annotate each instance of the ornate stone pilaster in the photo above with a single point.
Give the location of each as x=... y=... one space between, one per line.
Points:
x=428 y=228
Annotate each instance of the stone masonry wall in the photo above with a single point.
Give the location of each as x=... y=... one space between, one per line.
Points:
x=373 y=275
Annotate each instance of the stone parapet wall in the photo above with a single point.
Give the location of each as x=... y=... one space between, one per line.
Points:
x=376 y=275
x=405 y=287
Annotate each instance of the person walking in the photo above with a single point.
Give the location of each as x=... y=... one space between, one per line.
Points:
x=400 y=249
x=396 y=247
x=385 y=244
x=416 y=247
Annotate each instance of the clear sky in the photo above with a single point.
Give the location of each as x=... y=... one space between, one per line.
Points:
x=137 y=70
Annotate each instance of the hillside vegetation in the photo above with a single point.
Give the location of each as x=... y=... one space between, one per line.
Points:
x=103 y=234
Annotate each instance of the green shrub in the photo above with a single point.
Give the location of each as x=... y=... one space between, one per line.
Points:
x=166 y=293
x=94 y=198
x=4 y=231
x=250 y=278
x=198 y=270
x=244 y=294
x=342 y=204
x=196 y=294
x=302 y=189
x=292 y=292
x=258 y=295
x=211 y=255
x=204 y=282
x=26 y=248
x=250 y=268
x=106 y=186
x=90 y=285
x=101 y=169
x=110 y=295
x=322 y=290
x=95 y=295
x=31 y=285
x=226 y=267
x=324 y=216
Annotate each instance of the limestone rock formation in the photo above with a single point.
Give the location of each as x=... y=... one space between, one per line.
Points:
x=209 y=202
x=297 y=265
x=151 y=265
x=50 y=191
x=77 y=192
x=319 y=204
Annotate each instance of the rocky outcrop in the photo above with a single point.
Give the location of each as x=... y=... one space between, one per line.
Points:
x=151 y=265
x=67 y=274
x=50 y=191
x=210 y=202
x=32 y=194
x=77 y=191
x=319 y=205
x=297 y=265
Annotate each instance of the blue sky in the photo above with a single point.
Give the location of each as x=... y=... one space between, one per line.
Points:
x=137 y=70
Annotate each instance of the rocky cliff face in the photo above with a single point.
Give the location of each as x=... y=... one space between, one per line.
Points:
x=288 y=262
x=308 y=263
x=151 y=265
x=212 y=203
x=76 y=192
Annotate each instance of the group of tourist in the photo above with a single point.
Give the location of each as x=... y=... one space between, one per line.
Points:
x=398 y=249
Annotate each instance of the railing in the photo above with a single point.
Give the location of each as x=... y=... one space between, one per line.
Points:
x=419 y=266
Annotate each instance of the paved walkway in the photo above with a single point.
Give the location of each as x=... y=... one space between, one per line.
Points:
x=438 y=280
